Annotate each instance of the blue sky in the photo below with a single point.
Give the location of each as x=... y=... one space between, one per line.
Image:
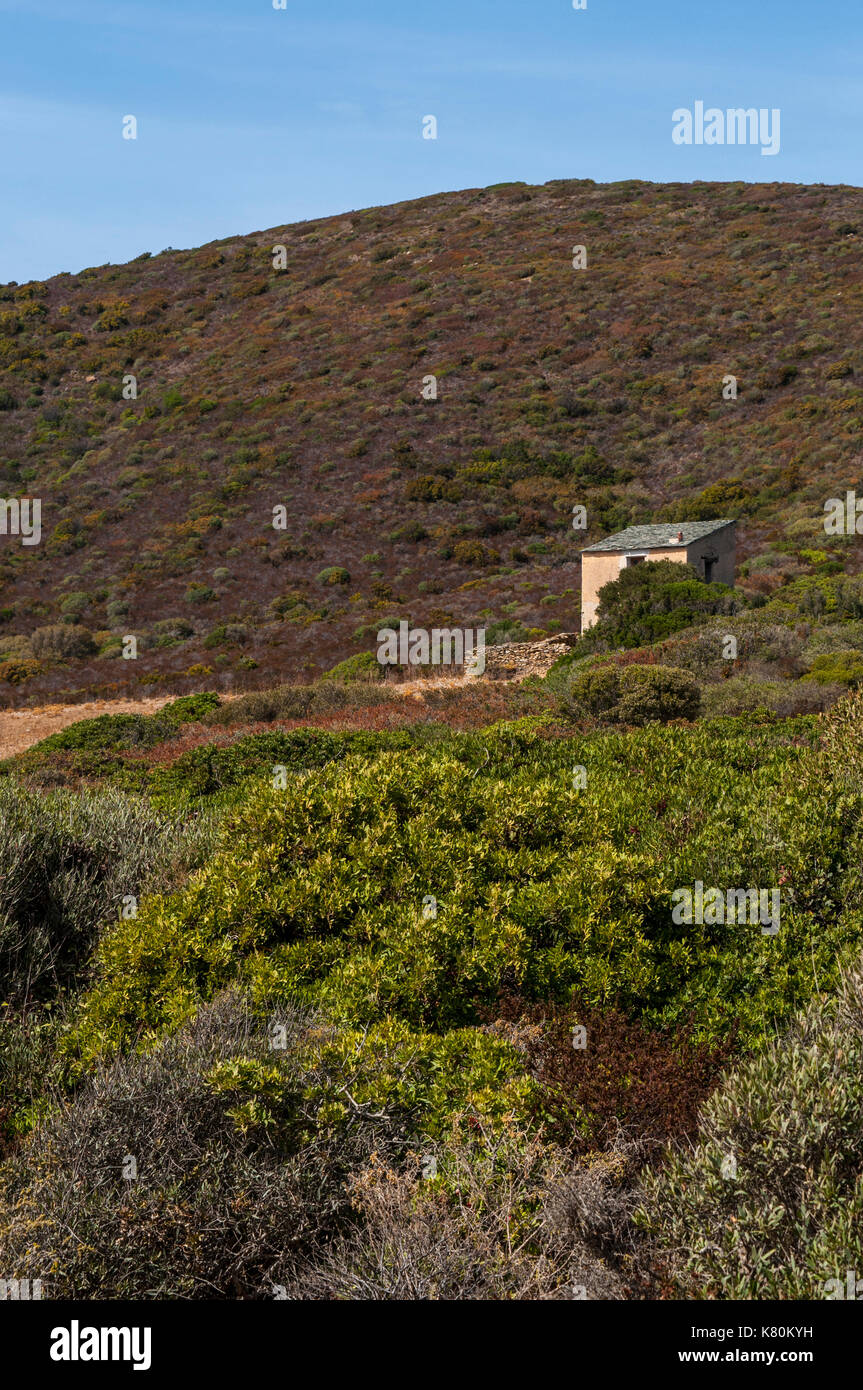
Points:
x=250 y=117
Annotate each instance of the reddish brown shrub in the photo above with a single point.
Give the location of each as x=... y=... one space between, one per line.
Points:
x=649 y=1083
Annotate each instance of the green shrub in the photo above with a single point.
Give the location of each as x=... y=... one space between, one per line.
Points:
x=318 y=888
x=190 y=709
x=102 y=732
x=303 y=701
x=206 y=770
x=62 y=641
x=222 y=1206
x=506 y=630
x=837 y=668
x=113 y=317
x=832 y=597
x=409 y=531
x=635 y=694
x=173 y=629
x=263 y=706
x=298 y=1144
x=17 y=670
x=769 y=1204
x=364 y=666
x=74 y=604
x=652 y=600
x=656 y=694
x=117 y=610
x=68 y=862
x=122 y=732
x=199 y=593
x=474 y=553
x=227 y=634
x=334 y=574
x=746 y=694
x=595 y=691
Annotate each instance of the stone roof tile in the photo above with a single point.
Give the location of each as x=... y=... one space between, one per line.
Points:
x=657 y=536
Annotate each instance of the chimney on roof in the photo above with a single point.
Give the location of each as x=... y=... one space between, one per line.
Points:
x=680 y=535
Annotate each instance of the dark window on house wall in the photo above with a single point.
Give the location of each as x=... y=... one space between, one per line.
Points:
x=708 y=570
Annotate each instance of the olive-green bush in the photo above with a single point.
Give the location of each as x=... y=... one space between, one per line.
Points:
x=62 y=640
x=769 y=1203
x=68 y=863
x=634 y=694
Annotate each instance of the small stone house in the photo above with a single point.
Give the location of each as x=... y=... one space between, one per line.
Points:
x=708 y=546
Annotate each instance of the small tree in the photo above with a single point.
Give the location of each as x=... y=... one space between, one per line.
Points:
x=652 y=600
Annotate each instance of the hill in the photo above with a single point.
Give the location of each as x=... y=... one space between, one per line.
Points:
x=302 y=388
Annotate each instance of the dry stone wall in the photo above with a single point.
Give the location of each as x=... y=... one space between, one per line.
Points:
x=515 y=661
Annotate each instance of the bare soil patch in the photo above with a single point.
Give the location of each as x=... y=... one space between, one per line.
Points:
x=21 y=728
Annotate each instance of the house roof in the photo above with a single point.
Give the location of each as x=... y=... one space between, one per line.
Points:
x=658 y=537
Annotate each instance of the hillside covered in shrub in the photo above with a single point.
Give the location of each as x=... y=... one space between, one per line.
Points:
x=318 y=984
x=301 y=388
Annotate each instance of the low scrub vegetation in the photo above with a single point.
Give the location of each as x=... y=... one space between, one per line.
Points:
x=769 y=1202
x=418 y=1003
